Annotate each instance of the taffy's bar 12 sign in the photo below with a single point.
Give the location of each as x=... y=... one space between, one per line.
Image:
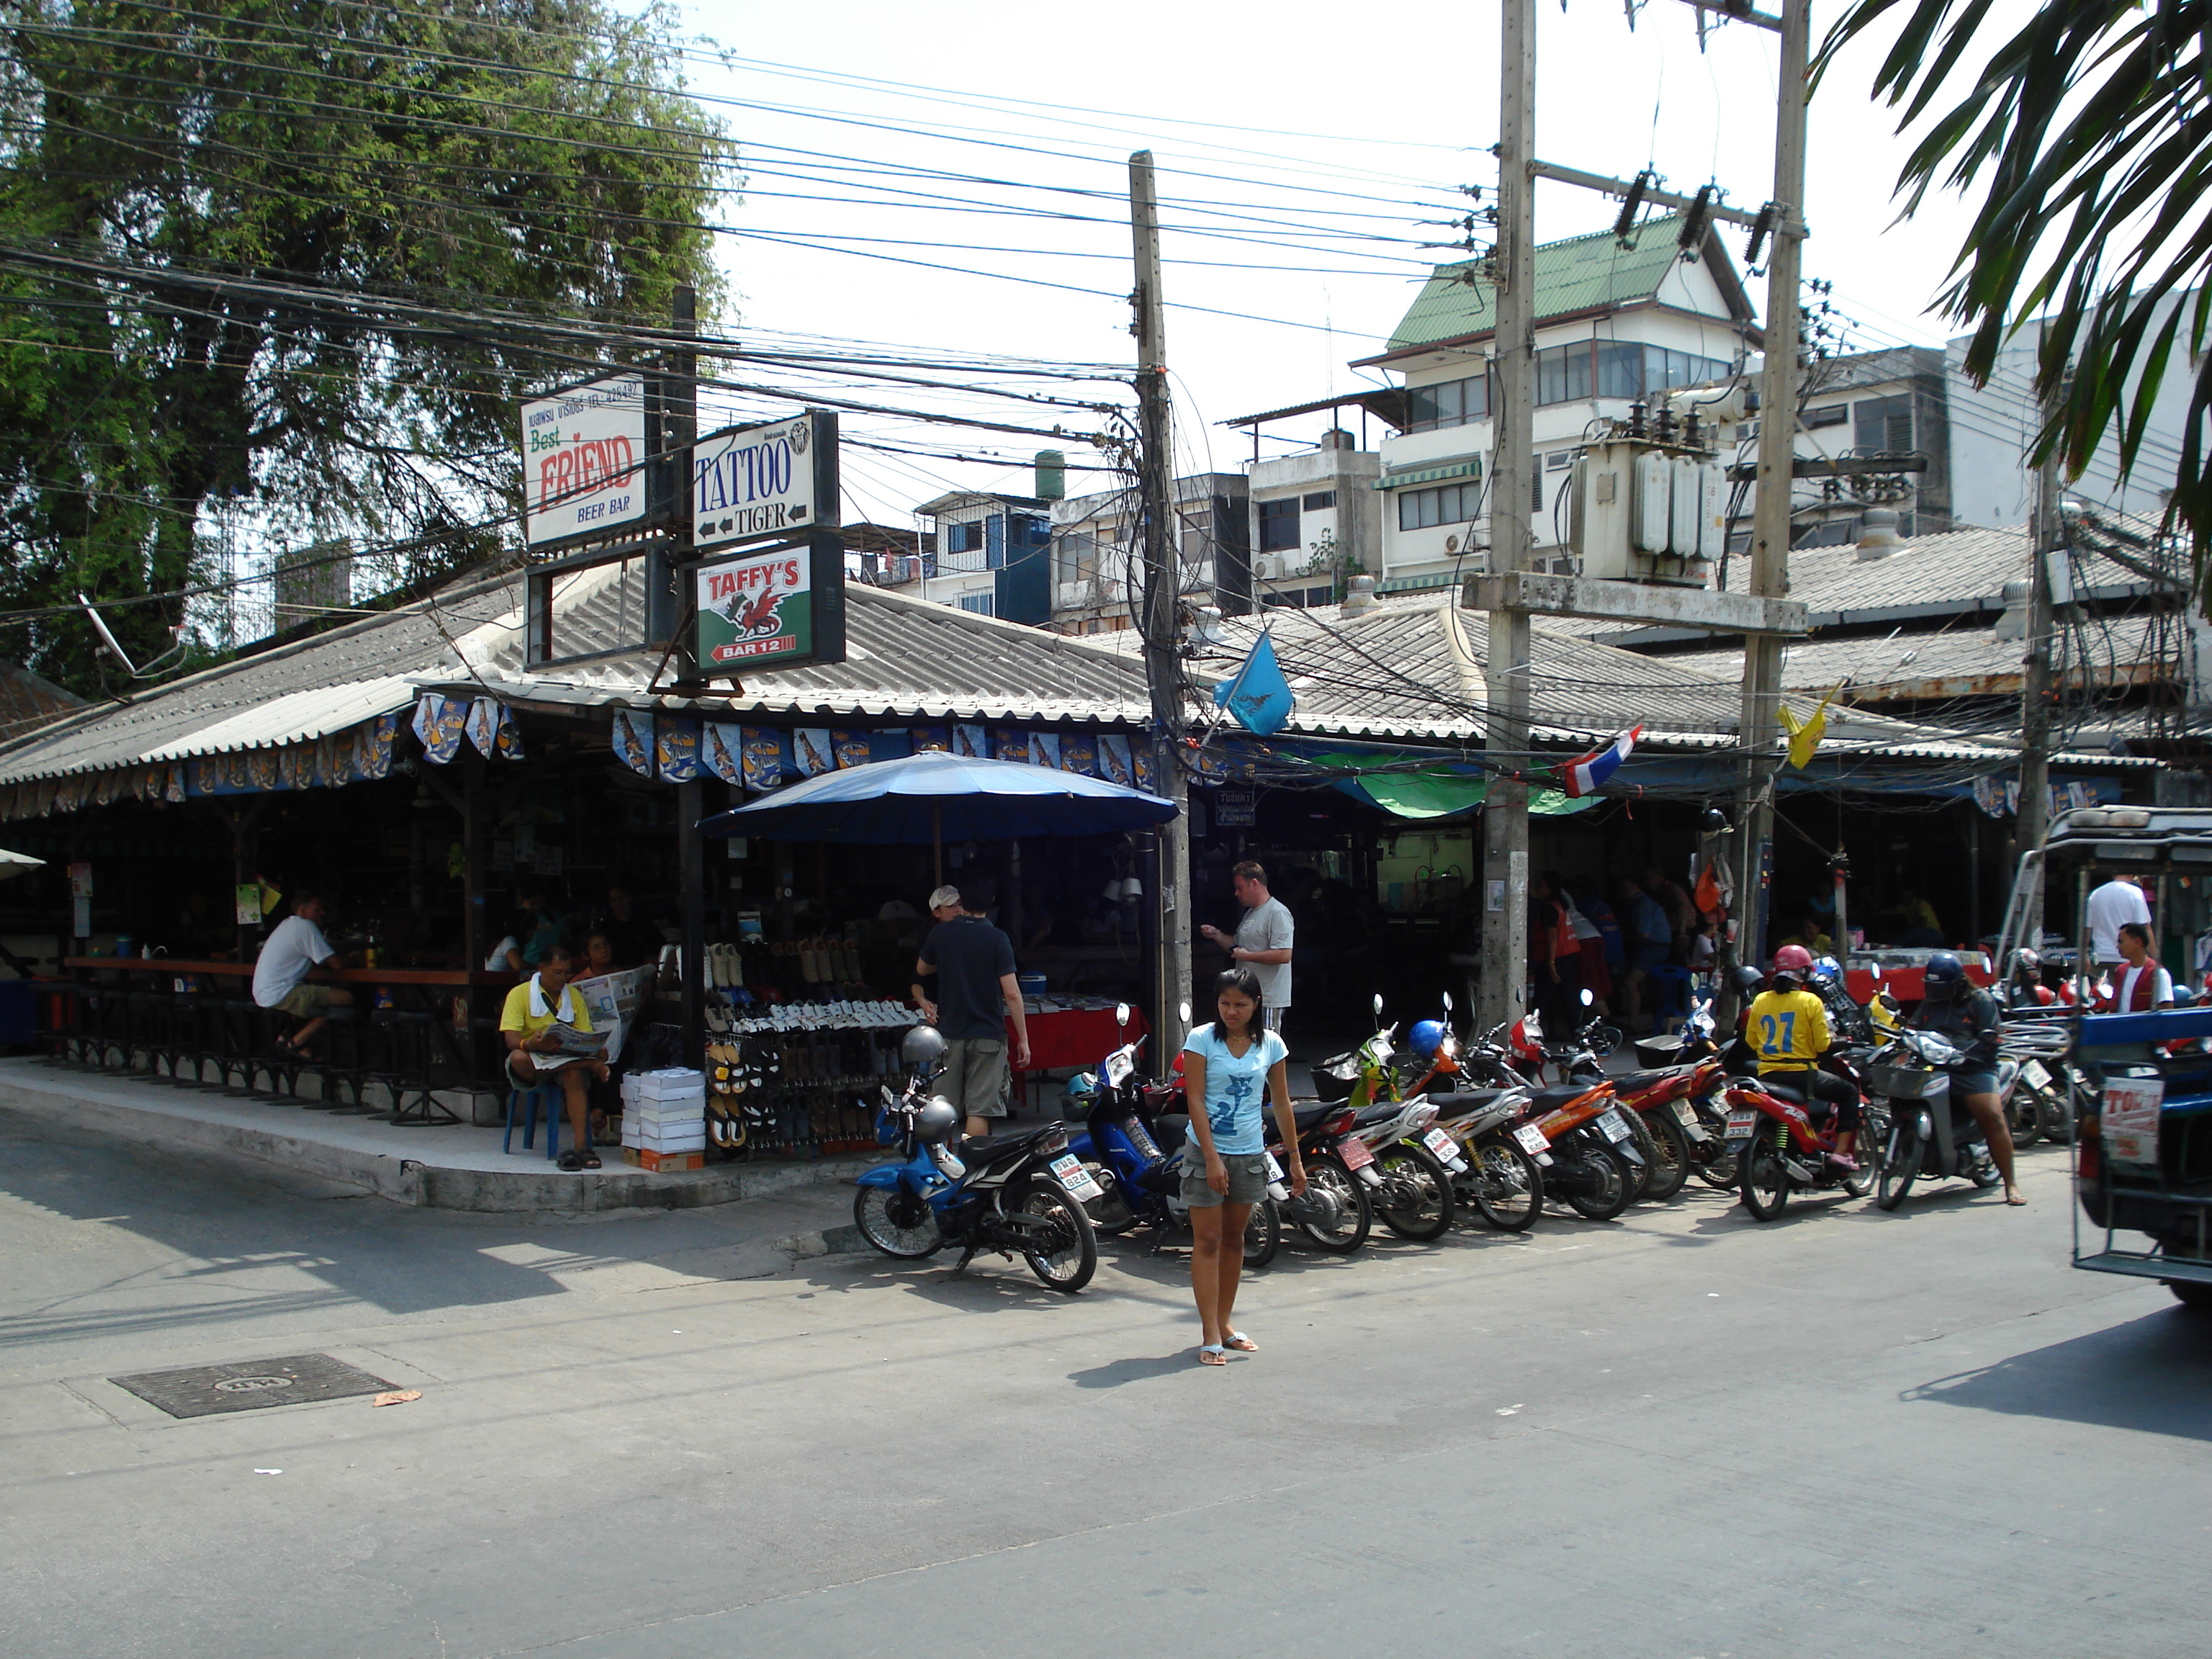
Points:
x=772 y=607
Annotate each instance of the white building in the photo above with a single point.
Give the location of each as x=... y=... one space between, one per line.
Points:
x=1097 y=560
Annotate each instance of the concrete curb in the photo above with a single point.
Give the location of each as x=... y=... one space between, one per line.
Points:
x=125 y=1108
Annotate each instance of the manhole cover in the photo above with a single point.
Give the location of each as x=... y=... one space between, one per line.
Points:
x=205 y=1390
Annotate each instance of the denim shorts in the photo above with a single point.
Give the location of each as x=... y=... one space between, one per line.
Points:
x=1973 y=1083
x=1248 y=1179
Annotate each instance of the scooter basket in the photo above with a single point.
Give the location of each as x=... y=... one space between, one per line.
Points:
x=1333 y=1078
x=1907 y=1082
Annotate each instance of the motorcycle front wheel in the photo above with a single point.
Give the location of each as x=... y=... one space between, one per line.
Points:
x=1416 y=1201
x=1067 y=1255
x=1610 y=1180
x=900 y=1224
x=1263 y=1235
x=1327 y=1175
x=1766 y=1182
x=1900 y=1166
x=1669 y=1156
x=1507 y=1186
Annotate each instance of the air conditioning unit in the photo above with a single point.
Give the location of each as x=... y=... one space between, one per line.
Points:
x=1271 y=567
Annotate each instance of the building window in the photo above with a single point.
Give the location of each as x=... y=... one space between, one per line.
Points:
x=1419 y=509
x=1279 y=525
x=978 y=602
x=1451 y=403
x=1562 y=374
x=1827 y=415
x=1319 y=595
x=1619 y=368
x=1075 y=558
x=1317 y=500
x=964 y=538
x=1884 y=424
x=1198 y=531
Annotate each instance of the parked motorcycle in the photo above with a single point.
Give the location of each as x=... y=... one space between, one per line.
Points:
x=1594 y=1164
x=1335 y=1214
x=1132 y=1141
x=1020 y=1194
x=1697 y=1108
x=1930 y=1135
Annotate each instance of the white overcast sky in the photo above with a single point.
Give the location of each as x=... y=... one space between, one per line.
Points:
x=1323 y=120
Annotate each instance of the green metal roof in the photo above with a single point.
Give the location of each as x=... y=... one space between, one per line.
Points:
x=1459 y=466
x=1583 y=273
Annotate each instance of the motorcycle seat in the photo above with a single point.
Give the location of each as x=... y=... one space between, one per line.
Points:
x=1795 y=1097
x=1171 y=1130
x=1629 y=1082
x=986 y=1149
x=1307 y=1117
x=1550 y=1099
x=1467 y=1100
x=1380 y=1112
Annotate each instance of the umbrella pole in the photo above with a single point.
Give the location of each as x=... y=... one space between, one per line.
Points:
x=936 y=842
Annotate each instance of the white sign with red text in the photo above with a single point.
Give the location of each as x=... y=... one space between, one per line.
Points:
x=583 y=459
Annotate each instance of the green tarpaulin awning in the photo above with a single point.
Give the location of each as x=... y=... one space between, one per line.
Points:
x=1418 y=795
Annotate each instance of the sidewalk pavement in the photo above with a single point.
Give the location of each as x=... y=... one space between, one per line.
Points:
x=449 y=1166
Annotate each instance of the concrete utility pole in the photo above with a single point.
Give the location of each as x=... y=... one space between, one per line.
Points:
x=2047 y=538
x=1770 y=535
x=679 y=430
x=1499 y=993
x=1162 y=599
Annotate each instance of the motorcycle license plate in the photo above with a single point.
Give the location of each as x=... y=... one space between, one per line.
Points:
x=1741 y=1124
x=1532 y=1139
x=2034 y=1073
x=1118 y=1067
x=1355 y=1153
x=1686 y=1114
x=1275 y=1169
x=1069 y=1170
x=1441 y=1144
x=1610 y=1121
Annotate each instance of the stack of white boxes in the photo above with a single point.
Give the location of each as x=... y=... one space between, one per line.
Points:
x=665 y=1120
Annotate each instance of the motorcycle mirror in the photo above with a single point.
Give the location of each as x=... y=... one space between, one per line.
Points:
x=1589 y=996
x=1876 y=971
x=1448 y=1002
x=1378 y=1005
x=1182 y=1009
x=1120 y=1014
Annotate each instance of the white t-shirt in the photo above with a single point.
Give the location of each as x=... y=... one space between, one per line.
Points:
x=1268 y=927
x=2116 y=901
x=496 y=962
x=294 y=945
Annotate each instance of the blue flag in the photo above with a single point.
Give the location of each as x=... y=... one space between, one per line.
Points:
x=1258 y=697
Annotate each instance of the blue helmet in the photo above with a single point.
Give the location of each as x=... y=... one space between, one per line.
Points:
x=1944 y=979
x=1084 y=1085
x=1826 y=971
x=1426 y=1037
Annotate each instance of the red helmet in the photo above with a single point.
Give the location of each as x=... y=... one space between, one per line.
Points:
x=1794 y=961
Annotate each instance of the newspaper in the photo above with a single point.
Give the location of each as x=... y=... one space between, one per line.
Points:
x=611 y=999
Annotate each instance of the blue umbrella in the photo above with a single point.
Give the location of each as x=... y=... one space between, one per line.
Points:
x=927 y=797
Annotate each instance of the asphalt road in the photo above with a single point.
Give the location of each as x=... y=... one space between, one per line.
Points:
x=1680 y=1434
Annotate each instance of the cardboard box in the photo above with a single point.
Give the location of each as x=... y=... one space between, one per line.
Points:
x=679 y=1085
x=646 y=1158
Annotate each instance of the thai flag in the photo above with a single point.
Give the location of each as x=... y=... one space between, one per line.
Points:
x=1584 y=775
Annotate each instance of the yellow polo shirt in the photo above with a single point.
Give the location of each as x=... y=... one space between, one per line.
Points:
x=515 y=1016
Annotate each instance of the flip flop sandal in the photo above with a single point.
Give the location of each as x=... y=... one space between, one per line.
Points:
x=1212 y=1353
x=592 y=1160
x=1241 y=1342
x=570 y=1161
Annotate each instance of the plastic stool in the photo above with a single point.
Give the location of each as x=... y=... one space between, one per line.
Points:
x=546 y=1097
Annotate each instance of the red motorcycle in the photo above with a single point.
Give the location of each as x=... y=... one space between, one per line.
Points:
x=1781 y=1148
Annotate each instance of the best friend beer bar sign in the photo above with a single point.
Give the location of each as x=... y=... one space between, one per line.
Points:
x=777 y=479
x=583 y=460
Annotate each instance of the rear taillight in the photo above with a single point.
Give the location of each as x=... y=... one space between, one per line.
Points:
x=2091 y=1163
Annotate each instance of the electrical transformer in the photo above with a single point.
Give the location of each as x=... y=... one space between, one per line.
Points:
x=1646 y=511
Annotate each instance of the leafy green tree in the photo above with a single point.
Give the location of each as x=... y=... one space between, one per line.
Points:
x=299 y=257
x=2085 y=142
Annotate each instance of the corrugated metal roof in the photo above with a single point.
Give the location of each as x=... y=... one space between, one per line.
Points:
x=906 y=658
x=410 y=643
x=1582 y=273
x=319 y=711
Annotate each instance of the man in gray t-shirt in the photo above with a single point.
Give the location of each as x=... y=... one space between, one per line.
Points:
x=1263 y=941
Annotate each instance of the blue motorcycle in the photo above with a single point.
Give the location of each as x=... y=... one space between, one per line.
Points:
x=1125 y=1125
x=1020 y=1194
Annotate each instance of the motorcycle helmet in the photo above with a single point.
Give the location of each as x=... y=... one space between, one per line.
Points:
x=1081 y=1089
x=1826 y=971
x=922 y=1046
x=1792 y=964
x=2025 y=963
x=935 y=1122
x=1748 y=981
x=1944 y=978
x=1426 y=1037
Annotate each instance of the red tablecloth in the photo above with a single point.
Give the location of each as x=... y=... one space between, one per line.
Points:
x=1077 y=1036
x=1905 y=983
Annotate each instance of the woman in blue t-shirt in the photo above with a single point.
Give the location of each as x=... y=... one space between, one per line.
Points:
x=1229 y=1067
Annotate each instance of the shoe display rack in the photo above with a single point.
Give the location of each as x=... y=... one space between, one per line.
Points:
x=798 y=1079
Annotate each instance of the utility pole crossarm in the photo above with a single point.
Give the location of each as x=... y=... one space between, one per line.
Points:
x=1621 y=189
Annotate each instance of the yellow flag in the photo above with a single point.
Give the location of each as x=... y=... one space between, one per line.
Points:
x=1805 y=735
